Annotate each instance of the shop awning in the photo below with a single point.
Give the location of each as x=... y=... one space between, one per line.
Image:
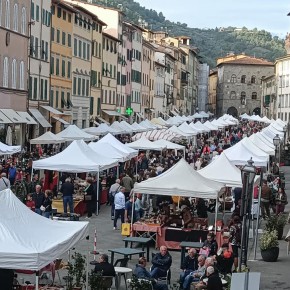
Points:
x=139 y=115
x=152 y=110
x=4 y=119
x=13 y=116
x=102 y=120
x=176 y=111
x=40 y=118
x=112 y=113
x=52 y=110
x=173 y=113
x=61 y=120
x=27 y=117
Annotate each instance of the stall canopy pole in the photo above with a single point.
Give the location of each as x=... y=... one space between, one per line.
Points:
x=98 y=193
x=258 y=216
x=37 y=280
x=216 y=213
x=132 y=213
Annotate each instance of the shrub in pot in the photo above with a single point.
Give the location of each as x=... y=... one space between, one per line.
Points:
x=276 y=223
x=76 y=272
x=269 y=246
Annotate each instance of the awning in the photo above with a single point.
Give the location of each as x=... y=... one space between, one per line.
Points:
x=112 y=113
x=152 y=110
x=52 y=110
x=139 y=115
x=13 y=116
x=166 y=115
x=176 y=111
x=173 y=113
x=27 y=117
x=40 y=118
x=4 y=119
x=60 y=120
x=102 y=120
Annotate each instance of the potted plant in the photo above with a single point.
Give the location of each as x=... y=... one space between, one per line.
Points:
x=76 y=272
x=269 y=246
x=140 y=284
x=95 y=280
x=277 y=222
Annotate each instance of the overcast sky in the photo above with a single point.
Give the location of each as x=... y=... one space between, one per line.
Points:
x=270 y=15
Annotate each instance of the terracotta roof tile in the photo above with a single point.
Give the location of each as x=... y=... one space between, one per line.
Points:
x=248 y=61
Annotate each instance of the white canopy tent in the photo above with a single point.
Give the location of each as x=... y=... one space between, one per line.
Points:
x=210 y=126
x=222 y=170
x=146 y=124
x=181 y=180
x=281 y=122
x=184 y=127
x=77 y=157
x=266 y=120
x=106 y=149
x=271 y=133
x=47 y=138
x=119 y=145
x=72 y=132
x=277 y=126
x=201 y=126
x=266 y=139
x=245 y=116
x=138 y=128
x=196 y=128
x=197 y=116
x=29 y=241
x=102 y=129
x=253 y=148
x=169 y=145
x=204 y=114
x=239 y=154
x=9 y=150
x=127 y=126
x=144 y=144
x=178 y=131
x=218 y=124
x=119 y=128
x=262 y=145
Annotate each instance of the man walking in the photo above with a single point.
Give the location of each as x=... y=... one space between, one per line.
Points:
x=127 y=182
x=67 y=190
x=112 y=192
x=266 y=194
x=119 y=202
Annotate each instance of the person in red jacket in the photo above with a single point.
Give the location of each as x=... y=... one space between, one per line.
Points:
x=29 y=202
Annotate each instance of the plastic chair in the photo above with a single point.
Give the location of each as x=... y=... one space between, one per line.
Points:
x=106 y=283
x=122 y=263
x=166 y=278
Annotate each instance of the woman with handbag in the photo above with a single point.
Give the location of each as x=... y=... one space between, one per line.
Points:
x=89 y=197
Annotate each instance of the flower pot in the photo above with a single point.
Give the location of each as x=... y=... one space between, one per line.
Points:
x=280 y=232
x=270 y=255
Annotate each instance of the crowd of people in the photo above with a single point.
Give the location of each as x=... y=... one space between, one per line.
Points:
x=127 y=206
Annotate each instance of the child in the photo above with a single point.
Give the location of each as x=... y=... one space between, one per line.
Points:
x=29 y=202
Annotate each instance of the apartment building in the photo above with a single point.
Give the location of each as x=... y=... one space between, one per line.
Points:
x=14 y=44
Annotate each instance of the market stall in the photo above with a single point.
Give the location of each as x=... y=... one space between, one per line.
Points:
x=176 y=181
x=33 y=253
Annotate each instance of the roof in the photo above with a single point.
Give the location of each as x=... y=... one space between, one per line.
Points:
x=111 y=36
x=248 y=60
x=65 y=5
x=84 y=10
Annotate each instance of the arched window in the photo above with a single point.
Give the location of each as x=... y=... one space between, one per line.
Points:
x=233 y=95
x=243 y=79
x=253 y=79
x=15 y=18
x=23 y=21
x=14 y=74
x=243 y=98
x=254 y=96
x=21 y=75
x=7 y=14
x=5 y=72
x=233 y=79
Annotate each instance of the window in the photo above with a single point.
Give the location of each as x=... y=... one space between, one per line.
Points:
x=52 y=33
x=83 y=87
x=5 y=72
x=253 y=79
x=52 y=65
x=84 y=50
x=57 y=36
x=37 y=13
x=63 y=68
x=243 y=79
x=45 y=89
x=57 y=67
x=35 y=88
x=31 y=10
x=52 y=9
x=69 y=40
x=15 y=18
x=36 y=47
x=30 y=88
x=56 y=98
x=233 y=95
x=233 y=79
x=7 y=14
x=21 y=75
x=41 y=89
x=58 y=12
x=69 y=17
x=64 y=15
x=243 y=98
x=74 y=85
x=80 y=48
x=68 y=69
x=63 y=38
x=87 y=88
x=254 y=96
x=79 y=86
x=75 y=47
x=88 y=51
x=14 y=73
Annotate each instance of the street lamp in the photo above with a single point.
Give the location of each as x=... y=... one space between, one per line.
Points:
x=284 y=131
x=276 y=142
x=248 y=175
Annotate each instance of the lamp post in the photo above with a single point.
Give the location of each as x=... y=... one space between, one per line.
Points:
x=276 y=142
x=248 y=176
x=284 y=131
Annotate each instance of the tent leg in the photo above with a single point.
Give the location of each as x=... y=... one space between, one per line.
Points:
x=216 y=214
x=87 y=268
x=132 y=213
x=118 y=170
x=98 y=193
x=37 y=280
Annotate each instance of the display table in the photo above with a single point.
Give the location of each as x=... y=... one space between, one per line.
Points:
x=79 y=206
x=104 y=196
x=152 y=231
x=143 y=241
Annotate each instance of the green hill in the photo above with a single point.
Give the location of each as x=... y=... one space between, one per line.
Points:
x=212 y=43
